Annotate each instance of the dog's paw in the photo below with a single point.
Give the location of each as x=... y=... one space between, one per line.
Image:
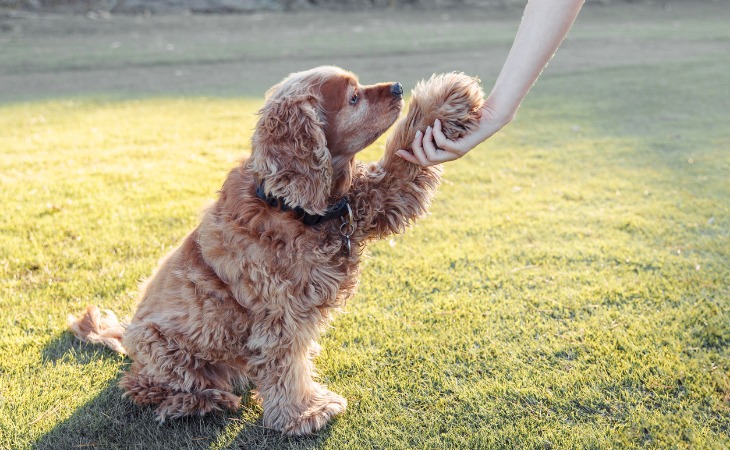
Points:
x=196 y=404
x=322 y=409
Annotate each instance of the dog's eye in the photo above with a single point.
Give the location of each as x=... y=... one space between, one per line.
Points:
x=355 y=97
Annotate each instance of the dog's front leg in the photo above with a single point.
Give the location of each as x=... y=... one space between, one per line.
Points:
x=389 y=195
x=292 y=401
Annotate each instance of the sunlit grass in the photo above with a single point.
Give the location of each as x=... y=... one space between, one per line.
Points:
x=569 y=290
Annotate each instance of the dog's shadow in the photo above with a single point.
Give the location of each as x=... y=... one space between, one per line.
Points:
x=111 y=421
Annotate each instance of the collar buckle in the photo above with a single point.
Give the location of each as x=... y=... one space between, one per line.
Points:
x=347 y=229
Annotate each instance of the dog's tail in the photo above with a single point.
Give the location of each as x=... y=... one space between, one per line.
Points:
x=96 y=328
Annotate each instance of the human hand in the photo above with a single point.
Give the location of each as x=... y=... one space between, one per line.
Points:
x=433 y=147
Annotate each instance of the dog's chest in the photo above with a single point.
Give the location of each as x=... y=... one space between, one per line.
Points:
x=311 y=269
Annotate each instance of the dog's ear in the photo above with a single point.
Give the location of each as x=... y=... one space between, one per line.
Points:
x=290 y=152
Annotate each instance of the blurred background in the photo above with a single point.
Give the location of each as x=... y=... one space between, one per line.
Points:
x=52 y=48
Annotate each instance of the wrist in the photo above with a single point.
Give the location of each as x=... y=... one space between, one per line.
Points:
x=499 y=116
x=493 y=120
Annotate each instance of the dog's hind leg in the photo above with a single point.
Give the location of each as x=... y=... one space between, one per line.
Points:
x=196 y=403
x=173 y=402
x=179 y=382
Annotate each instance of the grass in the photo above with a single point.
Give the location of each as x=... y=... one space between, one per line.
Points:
x=569 y=290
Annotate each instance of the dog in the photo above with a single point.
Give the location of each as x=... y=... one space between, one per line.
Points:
x=245 y=296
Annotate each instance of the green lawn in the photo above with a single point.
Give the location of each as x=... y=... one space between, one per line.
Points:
x=571 y=288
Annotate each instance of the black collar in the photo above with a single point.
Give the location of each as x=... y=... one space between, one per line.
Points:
x=339 y=209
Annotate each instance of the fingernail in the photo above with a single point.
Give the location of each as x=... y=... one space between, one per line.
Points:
x=428 y=130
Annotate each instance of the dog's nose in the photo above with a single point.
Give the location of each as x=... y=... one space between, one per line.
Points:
x=396 y=89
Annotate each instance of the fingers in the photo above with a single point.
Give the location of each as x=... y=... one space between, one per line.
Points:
x=429 y=148
x=408 y=156
x=433 y=147
x=418 y=152
x=424 y=151
x=460 y=147
x=441 y=140
x=416 y=155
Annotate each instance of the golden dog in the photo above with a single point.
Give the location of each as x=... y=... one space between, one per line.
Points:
x=246 y=295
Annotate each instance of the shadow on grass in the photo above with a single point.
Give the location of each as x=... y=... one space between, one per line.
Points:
x=111 y=421
x=65 y=348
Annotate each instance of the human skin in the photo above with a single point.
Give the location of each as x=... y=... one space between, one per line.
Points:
x=545 y=24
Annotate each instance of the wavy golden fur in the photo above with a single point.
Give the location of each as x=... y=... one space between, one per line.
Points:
x=246 y=295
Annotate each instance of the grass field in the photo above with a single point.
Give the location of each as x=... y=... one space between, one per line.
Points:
x=571 y=288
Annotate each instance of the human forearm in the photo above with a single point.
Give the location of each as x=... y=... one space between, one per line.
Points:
x=545 y=24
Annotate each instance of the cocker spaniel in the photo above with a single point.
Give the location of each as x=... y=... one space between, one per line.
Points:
x=246 y=295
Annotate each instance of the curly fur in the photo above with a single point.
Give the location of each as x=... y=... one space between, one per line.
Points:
x=246 y=295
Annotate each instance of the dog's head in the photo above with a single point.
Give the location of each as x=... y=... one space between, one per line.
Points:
x=311 y=126
x=453 y=98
